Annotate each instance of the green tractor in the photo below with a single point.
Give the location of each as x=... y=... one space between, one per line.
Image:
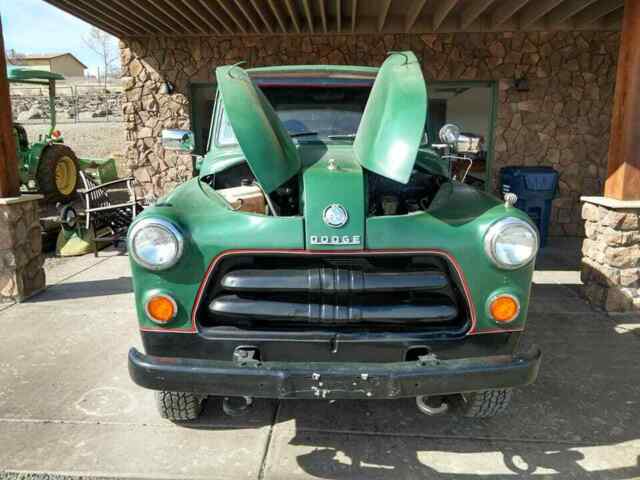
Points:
x=48 y=166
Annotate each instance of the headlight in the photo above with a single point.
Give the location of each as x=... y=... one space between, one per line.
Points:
x=449 y=133
x=511 y=243
x=155 y=243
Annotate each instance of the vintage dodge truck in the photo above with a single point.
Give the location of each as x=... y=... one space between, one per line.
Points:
x=325 y=251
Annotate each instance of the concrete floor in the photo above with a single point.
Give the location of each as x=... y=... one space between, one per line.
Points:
x=67 y=405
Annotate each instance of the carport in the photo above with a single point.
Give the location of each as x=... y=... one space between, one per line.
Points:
x=68 y=406
x=543 y=72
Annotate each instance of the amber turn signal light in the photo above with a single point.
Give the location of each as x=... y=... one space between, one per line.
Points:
x=161 y=308
x=504 y=308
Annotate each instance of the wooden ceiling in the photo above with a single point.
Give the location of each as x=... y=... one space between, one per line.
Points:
x=127 y=18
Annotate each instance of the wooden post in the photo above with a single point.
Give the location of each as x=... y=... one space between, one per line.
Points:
x=623 y=175
x=9 y=180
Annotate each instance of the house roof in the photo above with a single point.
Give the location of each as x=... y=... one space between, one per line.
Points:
x=124 y=18
x=50 y=56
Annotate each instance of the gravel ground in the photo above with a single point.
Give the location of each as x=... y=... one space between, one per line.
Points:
x=88 y=139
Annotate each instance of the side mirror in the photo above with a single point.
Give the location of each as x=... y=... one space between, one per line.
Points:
x=178 y=140
x=449 y=134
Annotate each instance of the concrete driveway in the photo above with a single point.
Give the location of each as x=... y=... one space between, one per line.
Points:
x=67 y=405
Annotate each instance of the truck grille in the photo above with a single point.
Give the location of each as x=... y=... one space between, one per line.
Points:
x=390 y=292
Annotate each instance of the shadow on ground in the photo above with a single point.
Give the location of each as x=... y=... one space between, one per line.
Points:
x=86 y=289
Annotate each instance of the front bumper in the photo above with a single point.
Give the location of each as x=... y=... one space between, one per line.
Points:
x=333 y=380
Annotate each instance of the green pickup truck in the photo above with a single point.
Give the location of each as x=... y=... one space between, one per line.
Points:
x=325 y=250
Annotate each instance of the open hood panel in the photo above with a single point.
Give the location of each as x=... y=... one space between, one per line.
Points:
x=391 y=129
x=269 y=151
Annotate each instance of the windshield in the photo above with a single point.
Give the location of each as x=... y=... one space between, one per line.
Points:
x=311 y=112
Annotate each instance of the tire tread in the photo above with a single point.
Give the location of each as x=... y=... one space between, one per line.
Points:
x=178 y=406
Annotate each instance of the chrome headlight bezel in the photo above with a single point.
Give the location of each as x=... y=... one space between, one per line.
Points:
x=493 y=235
x=169 y=228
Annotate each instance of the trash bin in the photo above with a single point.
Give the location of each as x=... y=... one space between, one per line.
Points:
x=535 y=187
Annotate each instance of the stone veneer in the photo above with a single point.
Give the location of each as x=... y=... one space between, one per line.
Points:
x=21 y=259
x=562 y=121
x=611 y=254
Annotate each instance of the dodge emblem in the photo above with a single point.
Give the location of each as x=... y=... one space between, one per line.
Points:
x=335 y=215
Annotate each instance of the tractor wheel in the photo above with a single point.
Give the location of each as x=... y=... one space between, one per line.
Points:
x=58 y=173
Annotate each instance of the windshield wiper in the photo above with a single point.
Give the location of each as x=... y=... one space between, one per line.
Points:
x=302 y=134
x=342 y=136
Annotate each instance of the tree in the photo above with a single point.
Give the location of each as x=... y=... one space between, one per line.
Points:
x=102 y=44
x=14 y=58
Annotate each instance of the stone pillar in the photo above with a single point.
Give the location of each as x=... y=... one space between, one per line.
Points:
x=21 y=259
x=611 y=253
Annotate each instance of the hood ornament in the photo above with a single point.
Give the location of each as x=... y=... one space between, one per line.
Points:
x=335 y=215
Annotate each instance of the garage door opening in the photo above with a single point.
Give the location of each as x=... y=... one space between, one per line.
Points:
x=471 y=105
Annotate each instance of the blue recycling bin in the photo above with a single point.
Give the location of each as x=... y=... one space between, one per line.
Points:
x=536 y=188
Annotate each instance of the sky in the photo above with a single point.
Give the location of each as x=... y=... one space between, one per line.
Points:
x=33 y=26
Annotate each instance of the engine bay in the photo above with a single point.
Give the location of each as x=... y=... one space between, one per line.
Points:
x=238 y=186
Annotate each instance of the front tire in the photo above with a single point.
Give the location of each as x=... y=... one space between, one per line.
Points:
x=179 y=406
x=487 y=403
x=58 y=173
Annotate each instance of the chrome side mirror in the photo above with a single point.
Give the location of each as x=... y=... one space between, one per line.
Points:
x=178 y=140
x=449 y=134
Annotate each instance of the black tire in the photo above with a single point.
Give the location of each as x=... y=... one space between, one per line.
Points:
x=178 y=406
x=46 y=174
x=487 y=403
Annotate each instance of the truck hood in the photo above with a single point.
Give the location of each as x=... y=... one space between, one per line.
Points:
x=390 y=132
x=264 y=141
x=387 y=140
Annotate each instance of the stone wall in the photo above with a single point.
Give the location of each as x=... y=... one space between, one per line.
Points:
x=561 y=121
x=21 y=259
x=611 y=257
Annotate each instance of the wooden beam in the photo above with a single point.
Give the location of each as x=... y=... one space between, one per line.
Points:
x=384 y=11
x=442 y=11
x=535 y=11
x=276 y=13
x=145 y=8
x=596 y=12
x=9 y=179
x=166 y=11
x=129 y=9
x=323 y=15
x=623 y=167
x=232 y=16
x=109 y=13
x=506 y=11
x=473 y=11
x=292 y=14
x=565 y=11
x=217 y=17
x=118 y=13
x=90 y=8
x=262 y=15
x=307 y=13
x=412 y=15
x=90 y=19
x=180 y=13
x=198 y=14
x=354 y=15
x=338 y=16
x=245 y=12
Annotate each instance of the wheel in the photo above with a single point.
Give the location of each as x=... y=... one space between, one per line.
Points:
x=58 y=173
x=178 y=406
x=487 y=403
